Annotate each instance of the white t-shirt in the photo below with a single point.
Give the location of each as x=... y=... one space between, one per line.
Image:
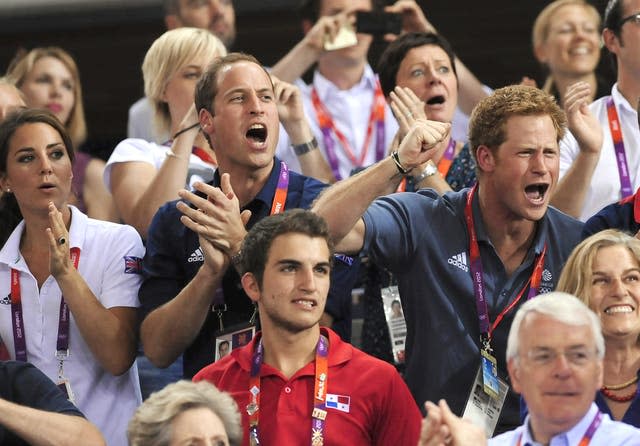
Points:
x=605 y=182
x=132 y=149
x=109 y=257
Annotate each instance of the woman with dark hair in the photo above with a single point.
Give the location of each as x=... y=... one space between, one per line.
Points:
x=48 y=77
x=418 y=73
x=86 y=340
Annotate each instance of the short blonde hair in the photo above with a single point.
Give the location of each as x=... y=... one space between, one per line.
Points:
x=168 y=53
x=22 y=65
x=151 y=423
x=578 y=270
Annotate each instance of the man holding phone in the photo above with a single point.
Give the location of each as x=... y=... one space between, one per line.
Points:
x=344 y=103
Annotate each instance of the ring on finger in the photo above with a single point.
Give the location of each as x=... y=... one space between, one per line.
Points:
x=61 y=240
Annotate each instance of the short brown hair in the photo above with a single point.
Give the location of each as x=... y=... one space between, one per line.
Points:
x=489 y=117
x=207 y=87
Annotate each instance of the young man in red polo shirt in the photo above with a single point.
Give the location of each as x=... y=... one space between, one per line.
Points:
x=296 y=381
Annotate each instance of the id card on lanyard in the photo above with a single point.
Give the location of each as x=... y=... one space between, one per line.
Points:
x=321 y=377
x=247 y=330
x=618 y=145
x=62 y=342
x=487 y=377
x=328 y=126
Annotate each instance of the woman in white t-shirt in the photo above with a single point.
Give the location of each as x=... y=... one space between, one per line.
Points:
x=86 y=341
x=143 y=175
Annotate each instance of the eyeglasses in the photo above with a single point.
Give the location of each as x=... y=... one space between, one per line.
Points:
x=577 y=356
x=632 y=18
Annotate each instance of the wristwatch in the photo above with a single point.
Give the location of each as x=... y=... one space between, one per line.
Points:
x=428 y=171
x=301 y=149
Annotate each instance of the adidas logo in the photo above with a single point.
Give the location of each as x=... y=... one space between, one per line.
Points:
x=196 y=256
x=459 y=260
x=6 y=300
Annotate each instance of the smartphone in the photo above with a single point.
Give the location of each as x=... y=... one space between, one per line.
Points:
x=378 y=23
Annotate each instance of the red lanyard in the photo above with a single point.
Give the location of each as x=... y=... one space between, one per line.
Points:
x=588 y=435
x=618 y=144
x=319 y=413
x=475 y=265
x=327 y=126
x=203 y=155
x=19 y=339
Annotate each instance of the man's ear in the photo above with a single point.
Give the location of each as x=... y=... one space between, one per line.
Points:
x=206 y=121
x=611 y=41
x=514 y=374
x=485 y=158
x=250 y=286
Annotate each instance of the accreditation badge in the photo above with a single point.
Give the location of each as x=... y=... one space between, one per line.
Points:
x=482 y=408
x=234 y=337
x=395 y=321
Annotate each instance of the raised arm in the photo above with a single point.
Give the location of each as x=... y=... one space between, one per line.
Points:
x=470 y=89
x=294 y=121
x=572 y=189
x=307 y=52
x=344 y=203
x=139 y=189
x=110 y=333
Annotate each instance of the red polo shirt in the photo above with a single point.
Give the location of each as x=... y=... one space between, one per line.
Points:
x=373 y=405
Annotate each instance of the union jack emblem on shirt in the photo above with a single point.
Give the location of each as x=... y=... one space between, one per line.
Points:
x=132 y=265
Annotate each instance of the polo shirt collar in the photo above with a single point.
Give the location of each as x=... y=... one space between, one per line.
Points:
x=621 y=102
x=266 y=193
x=325 y=87
x=339 y=353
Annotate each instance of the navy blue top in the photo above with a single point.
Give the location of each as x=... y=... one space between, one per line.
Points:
x=173 y=258
x=617 y=215
x=422 y=238
x=22 y=383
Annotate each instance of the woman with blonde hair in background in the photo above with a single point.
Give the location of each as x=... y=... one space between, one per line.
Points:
x=604 y=272
x=143 y=175
x=48 y=77
x=566 y=41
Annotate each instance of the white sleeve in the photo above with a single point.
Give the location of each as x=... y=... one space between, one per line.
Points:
x=568 y=152
x=131 y=149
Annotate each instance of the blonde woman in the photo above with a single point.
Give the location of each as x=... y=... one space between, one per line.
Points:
x=604 y=272
x=143 y=175
x=566 y=41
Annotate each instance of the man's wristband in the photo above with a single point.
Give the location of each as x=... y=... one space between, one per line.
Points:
x=301 y=149
x=396 y=159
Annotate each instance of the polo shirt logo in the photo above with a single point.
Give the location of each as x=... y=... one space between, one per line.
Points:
x=338 y=402
x=196 y=256
x=459 y=260
x=6 y=300
x=546 y=284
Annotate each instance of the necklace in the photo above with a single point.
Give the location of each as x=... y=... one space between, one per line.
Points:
x=624 y=385
x=620 y=399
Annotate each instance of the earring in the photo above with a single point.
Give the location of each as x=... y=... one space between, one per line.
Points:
x=8 y=190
